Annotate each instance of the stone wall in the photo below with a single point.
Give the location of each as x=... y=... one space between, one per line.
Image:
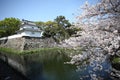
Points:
x=27 y=43
x=15 y=43
x=32 y=43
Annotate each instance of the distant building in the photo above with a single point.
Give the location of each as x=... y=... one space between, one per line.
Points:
x=29 y=29
x=28 y=37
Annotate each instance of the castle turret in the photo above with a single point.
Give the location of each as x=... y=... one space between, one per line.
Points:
x=29 y=29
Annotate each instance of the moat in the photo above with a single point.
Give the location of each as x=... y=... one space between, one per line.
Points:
x=46 y=67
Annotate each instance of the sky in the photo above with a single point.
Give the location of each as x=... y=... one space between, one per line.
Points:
x=40 y=10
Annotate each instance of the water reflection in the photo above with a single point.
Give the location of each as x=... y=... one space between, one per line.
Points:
x=55 y=69
x=94 y=72
x=52 y=67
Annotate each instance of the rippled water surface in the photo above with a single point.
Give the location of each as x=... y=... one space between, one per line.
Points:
x=56 y=69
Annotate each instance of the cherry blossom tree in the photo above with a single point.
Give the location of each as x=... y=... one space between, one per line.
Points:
x=100 y=35
x=101 y=26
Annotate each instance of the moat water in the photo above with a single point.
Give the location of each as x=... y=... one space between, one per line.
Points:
x=56 y=69
x=53 y=67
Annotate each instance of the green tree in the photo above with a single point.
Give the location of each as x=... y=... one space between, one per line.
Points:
x=2 y=29
x=51 y=28
x=40 y=24
x=9 y=26
x=54 y=31
x=62 y=22
x=59 y=29
x=50 y=24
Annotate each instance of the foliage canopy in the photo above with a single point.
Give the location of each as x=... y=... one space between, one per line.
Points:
x=9 y=26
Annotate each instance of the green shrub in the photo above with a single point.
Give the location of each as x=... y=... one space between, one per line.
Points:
x=116 y=60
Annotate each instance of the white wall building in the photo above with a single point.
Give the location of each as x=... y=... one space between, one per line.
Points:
x=29 y=29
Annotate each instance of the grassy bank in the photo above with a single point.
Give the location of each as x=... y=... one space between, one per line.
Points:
x=41 y=51
x=42 y=54
x=9 y=50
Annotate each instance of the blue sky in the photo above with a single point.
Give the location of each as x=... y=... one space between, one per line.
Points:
x=40 y=10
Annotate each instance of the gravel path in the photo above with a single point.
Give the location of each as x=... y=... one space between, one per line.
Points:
x=8 y=73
